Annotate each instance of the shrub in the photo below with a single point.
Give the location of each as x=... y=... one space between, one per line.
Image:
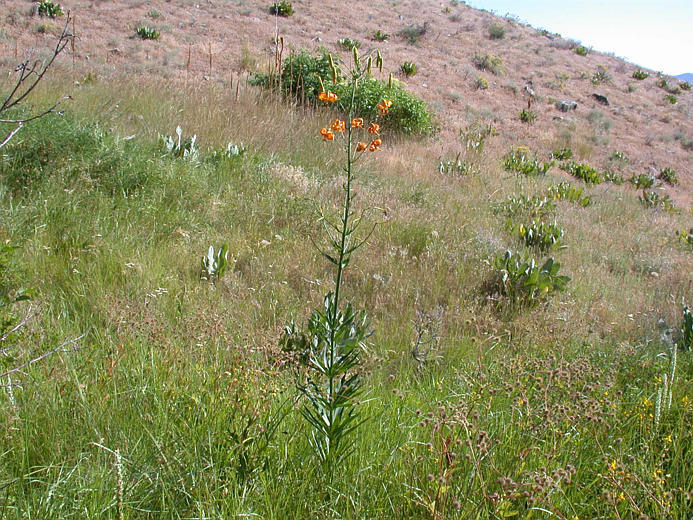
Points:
x=489 y=62
x=180 y=148
x=601 y=76
x=583 y=172
x=642 y=180
x=562 y=154
x=413 y=34
x=581 y=51
x=496 y=31
x=540 y=235
x=566 y=191
x=685 y=86
x=520 y=279
x=686 y=237
x=147 y=33
x=380 y=36
x=408 y=68
x=640 y=75
x=619 y=156
x=49 y=9
x=456 y=167
x=302 y=75
x=474 y=136
x=282 y=8
x=613 y=177
x=481 y=83
x=520 y=160
x=669 y=176
x=652 y=199
x=534 y=206
x=349 y=43
x=671 y=89
x=670 y=98
x=527 y=116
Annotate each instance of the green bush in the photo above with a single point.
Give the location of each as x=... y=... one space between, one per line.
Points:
x=147 y=33
x=408 y=68
x=685 y=85
x=562 y=154
x=49 y=9
x=581 y=51
x=520 y=279
x=282 y=8
x=496 y=31
x=583 y=172
x=642 y=180
x=349 y=43
x=538 y=234
x=520 y=160
x=640 y=75
x=601 y=76
x=527 y=116
x=671 y=89
x=669 y=176
x=481 y=83
x=534 y=206
x=652 y=199
x=566 y=191
x=686 y=237
x=413 y=34
x=489 y=62
x=613 y=177
x=670 y=98
x=380 y=36
x=303 y=72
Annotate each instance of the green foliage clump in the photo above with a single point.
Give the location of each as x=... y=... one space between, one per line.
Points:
x=671 y=89
x=380 y=36
x=520 y=279
x=601 y=76
x=583 y=172
x=489 y=62
x=566 y=191
x=534 y=206
x=581 y=50
x=642 y=180
x=475 y=134
x=180 y=148
x=215 y=263
x=414 y=33
x=282 y=8
x=408 y=68
x=652 y=199
x=349 y=43
x=562 y=154
x=527 y=116
x=49 y=9
x=685 y=86
x=147 y=33
x=520 y=160
x=481 y=83
x=304 y=75
x=539 y=234
x=456 y=167
x=496 y=31
x=619 y=156
x=613 y=177
x=686 y=237
x=671 y=99
x=640 y=75
x=669 y=176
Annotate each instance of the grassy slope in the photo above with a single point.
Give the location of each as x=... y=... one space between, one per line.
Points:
x=185 y=380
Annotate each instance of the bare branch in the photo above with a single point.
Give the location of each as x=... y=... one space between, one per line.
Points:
x=14 y=329
x=59 y=348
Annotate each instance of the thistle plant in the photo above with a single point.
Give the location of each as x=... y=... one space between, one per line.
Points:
x=331 y=346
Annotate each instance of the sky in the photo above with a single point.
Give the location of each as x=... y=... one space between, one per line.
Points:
x=657 y=35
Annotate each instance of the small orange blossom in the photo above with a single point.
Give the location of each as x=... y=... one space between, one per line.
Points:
x=374 y=128
x=361 y=146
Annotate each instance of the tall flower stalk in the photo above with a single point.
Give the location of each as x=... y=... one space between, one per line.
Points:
x=334 y=337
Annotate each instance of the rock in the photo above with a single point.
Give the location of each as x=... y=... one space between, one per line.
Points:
x=601 y=99
x=566 y=106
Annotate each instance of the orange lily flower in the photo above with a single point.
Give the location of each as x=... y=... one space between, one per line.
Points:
x=357 y=122
x=330 y=97
x=338 y=126
x=384 y=105
x=361 y=146
x=327 y=134
x=374 y=128
x=375 y=145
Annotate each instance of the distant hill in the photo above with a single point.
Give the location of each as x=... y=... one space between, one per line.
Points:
x=688 y=76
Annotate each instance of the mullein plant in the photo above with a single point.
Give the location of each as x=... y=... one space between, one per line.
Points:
x=329 y=348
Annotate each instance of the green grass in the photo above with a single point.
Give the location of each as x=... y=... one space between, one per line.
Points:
x=187 y=383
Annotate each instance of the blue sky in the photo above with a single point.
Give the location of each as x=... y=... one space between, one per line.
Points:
x=653 y=34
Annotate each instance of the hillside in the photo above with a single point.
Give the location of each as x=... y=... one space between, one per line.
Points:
x=215 y=304
x=639 y=121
